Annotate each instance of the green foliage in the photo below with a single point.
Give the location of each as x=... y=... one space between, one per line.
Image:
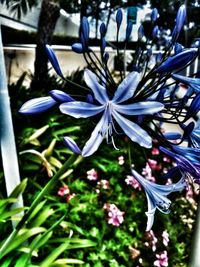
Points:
x=73 y=229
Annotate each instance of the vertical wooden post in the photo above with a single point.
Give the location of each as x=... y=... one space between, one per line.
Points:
x=7 y=138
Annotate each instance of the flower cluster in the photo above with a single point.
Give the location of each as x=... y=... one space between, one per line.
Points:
x=138 y=105
x=115 y=216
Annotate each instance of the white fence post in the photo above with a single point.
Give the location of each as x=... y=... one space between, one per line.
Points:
x=7 y=138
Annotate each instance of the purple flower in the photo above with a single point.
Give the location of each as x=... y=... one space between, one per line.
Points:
x=112 y=110
x=156 y=196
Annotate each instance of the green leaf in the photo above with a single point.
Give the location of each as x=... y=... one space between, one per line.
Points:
x=23 y=235
x=19 y=189
x=42 y=217
x=7 y=262
x=36 y=210
x=5 y=202
x=65 y=246
x=67 y=261
x=10 y=213
x=38 y=132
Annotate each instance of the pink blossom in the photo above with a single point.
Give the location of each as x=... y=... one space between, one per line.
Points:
x=121 y=160
x=154 y=165
x=147 y=172
x=165 y=237
x=92 y=175
x=64 y=190
x=115 y=216
x=152 y=240
x=162 y=259
x=155 y=151
x=130 y=180
x=104 y=184
x=69 y=197
x=189 y=192
x=166 y=159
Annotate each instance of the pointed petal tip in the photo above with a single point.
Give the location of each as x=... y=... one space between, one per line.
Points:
x=71 y=144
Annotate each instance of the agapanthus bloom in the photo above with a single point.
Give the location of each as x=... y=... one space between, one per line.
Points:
x=113 y=111
x=157 y=196
x=137 y=103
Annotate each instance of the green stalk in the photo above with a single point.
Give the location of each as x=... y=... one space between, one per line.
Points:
x=72 y=161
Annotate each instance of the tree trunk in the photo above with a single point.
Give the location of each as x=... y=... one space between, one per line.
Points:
x=49 y=15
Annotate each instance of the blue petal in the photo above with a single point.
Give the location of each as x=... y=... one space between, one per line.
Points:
x=60 y=96
x=98 y=90
x=193 y=82
x=54 y=61
x=194 y=107
x=133 y=131
x=178 y=48
x=80 y=109
x=85 y=29
x=156 y=195
x=140 y=108
x=129 y=30
x=180 y=20
x=78 y=48
x=140 y=32
x=37 y=105
x=71 y=144
x=178 y=61
x=127 y=87
x=155 y=31
x=103 y=29
x=154 y=14
x=172 y=136
x=96 y=137
x=119 y=17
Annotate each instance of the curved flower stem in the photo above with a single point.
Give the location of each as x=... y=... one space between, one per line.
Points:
x=72 y=161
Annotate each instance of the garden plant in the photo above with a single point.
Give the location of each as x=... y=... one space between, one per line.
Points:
x=101 y=150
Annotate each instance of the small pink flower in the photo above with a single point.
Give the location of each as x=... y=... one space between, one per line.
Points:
x=147 y=172
x=121 y=160
x=64 y=190
x=152 y=240
x=165 y=237
x=166 y=159
x=154 y=165
x=104 y=184
x=92 y=175
x=115 y=216
x=130 y=180
x=155 y=151
x=69 y=197
x=162 y=259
